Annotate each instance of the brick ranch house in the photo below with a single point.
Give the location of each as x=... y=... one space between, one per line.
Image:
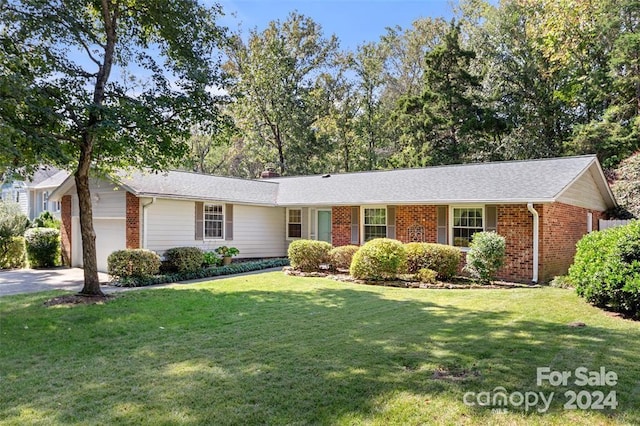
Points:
x=542 y=208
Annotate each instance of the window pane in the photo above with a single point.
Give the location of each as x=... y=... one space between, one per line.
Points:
x=295 y=216
x=213 y=220
x=371 y=232
x=295 y=230
x=467 y=221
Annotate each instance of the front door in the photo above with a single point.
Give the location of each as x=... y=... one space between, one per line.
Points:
x=324 y=225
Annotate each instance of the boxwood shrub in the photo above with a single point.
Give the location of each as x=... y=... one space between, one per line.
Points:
x=379 y=259
x=606 y=268
x=136 y=263
x=341 y=257
x=438 y=257
x=486 y=255
x=183 y=259
x=12 y=253
x=308 y=255
x=42 y=247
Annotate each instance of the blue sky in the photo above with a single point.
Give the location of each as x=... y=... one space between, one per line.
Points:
x=352 y=21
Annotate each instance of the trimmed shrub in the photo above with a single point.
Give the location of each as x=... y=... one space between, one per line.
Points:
x=606 y=268
x=308 y=255
x=46 y=220
x=427 y=275
x=379 y=259
x=12 y=253
x=341 y=257
x=183 y=259
x=42 y=247
x=439 y=257
x=486 y=255
x=136 y=263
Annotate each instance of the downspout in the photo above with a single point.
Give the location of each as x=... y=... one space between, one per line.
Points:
x=144 y=220
x=536 y=227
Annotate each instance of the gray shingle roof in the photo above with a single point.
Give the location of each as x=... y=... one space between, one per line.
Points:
x=53 y=181
x=187 y=185
x=536 y=181
x=510 y=181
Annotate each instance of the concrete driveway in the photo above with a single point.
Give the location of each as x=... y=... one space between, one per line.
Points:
x=33 y=280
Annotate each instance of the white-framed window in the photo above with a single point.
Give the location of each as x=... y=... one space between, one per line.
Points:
x=465 y=222
x=45 y=201
x=55 y=206
x=374 y=223
x=213 y=221
x=294 y=223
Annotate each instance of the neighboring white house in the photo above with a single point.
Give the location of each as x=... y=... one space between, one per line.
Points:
x=542 y=208
x=33 y=195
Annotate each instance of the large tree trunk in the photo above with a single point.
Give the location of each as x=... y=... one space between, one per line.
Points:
x=89 y=258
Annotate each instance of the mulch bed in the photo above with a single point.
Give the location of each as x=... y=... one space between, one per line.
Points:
x=458 y=283
x=78 y=299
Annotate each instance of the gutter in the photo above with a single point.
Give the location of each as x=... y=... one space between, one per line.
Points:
x=144 y=220
x=536 y=227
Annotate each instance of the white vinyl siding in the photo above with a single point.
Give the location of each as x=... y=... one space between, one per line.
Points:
x=107 y=201
x=584 y=193
x=258 y=231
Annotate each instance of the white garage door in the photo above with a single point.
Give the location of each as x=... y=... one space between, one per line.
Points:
x=110 y=236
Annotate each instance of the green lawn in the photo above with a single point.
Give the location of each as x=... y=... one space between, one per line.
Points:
x=286 y=350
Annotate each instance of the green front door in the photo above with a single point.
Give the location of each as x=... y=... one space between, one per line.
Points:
x=324 y=225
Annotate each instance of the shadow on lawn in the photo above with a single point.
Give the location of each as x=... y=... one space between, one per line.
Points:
x=320 y=357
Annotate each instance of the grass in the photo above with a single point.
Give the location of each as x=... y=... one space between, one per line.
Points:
x=275 y=349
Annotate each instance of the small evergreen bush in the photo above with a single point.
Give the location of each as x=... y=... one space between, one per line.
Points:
x=12 y=253
x=439 y=257
x=486 y=255
x=42 y=247
x=379 y=259
x=427 y=275
x=341 y=257
x=136 y=263
x=606 y=268
x=308 y=255
x=183 y=259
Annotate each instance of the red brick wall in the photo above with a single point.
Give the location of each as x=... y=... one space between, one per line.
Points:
x=424 y=216
x=515 y=223
x=132 y=221
x=561 y=227
x=65 y=229
x=341 y=225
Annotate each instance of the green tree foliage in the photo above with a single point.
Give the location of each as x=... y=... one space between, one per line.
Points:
x=278 y=97
x=96 y=86
x=440 y=125
x=626 y=188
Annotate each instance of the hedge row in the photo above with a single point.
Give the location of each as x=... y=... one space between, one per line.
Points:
x=234 y=268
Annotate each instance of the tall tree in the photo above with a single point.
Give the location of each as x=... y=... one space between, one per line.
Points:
x=99 y=85
x=441 y=124
x=278 y=97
